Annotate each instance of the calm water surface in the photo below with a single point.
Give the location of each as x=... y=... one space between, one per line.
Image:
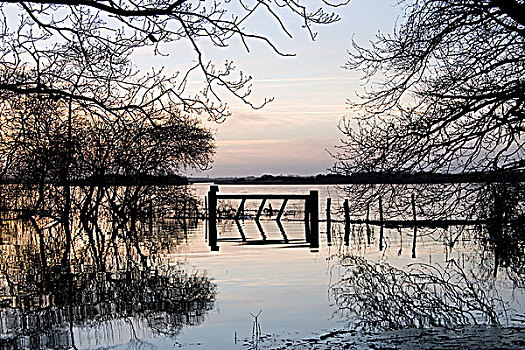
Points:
x=293 y=286
x=289 y=283
x=299 y=292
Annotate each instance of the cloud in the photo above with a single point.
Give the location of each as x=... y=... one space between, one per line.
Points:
x=250 y=143
x=285 y=82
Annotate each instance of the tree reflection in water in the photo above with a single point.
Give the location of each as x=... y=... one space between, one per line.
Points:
x=500 y=205
x=375 y=295
x=504 y=235
x=380 y=296
x=102 y=280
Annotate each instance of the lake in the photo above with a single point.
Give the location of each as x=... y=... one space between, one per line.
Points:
x=156 y=284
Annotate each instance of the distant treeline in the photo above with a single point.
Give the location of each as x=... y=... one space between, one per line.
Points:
x=115 y=180
x=359 y=178
x=376 y=178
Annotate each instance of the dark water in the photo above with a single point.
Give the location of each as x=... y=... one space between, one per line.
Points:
x=152 y=282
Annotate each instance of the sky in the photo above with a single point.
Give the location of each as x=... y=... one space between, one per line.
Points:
x=293 y=134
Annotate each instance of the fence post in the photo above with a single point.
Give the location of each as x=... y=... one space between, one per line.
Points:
x=314 y=218
x=380 y=223
x=368 y=233
x=205 y=207
x=212 y=217
x=347 y=222
x=307 y=219
x=415 y=226
x=328 y=221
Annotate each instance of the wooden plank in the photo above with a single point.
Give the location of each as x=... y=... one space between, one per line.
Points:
x=281 y=211
x=240 y=209
x=261 y=207
x=262 y=196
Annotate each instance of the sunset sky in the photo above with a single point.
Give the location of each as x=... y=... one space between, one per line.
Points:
x=291 y=135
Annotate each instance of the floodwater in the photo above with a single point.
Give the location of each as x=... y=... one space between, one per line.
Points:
x=159 y=286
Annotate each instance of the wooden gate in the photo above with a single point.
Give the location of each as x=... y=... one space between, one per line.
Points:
x=311 y=216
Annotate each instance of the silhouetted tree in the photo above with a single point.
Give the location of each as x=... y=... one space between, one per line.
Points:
x=133 y=147
x=35 y=141
x=82 y=51
x=48 y=144
x=41 y=143
x=446 y=91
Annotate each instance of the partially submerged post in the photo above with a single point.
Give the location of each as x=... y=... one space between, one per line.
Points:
x=314 y=218
x=307 y=219
x=415 y=227
x=380 y=223
x=368 y=233
x=150 y=214
x=347 y=222
x=328 y=221
x=212 y=217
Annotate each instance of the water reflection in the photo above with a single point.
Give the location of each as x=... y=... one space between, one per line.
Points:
x=478 y=280
x=378 y=296
x=240 y=229
x=493 y=214
x=504 y=233
x=94 y=278
x=109 y=277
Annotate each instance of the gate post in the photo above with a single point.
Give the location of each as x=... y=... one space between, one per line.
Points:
x=328 y=221
x=212 y=217
x=347 y=221
x=307 y=228
x=314 y=218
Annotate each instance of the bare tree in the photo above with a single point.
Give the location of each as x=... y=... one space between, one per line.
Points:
x=82 y=51
x=446 y=91
x=133 y=146
x=378 y=296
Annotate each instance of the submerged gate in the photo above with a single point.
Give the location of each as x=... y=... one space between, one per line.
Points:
x=311 y=216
